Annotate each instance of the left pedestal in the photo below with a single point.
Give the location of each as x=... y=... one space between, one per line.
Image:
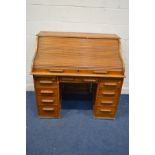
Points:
x=47 y=96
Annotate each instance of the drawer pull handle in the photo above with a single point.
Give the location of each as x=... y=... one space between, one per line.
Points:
x=107 y=102
x=110 y=84
x=48 y=109
x=89 y=80
x=56 y=71
x=46 y=82
x=108 y=93
x=46 y=92
x=100 y=72
x=47 y=101
x=105 y=110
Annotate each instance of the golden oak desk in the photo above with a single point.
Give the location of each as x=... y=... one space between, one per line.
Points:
x=77 y=58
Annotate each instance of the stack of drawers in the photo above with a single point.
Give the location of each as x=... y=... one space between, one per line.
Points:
x=107 y=97
x=47 y=96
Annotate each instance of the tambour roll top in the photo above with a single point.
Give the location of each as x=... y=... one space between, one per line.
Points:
x=78 y=54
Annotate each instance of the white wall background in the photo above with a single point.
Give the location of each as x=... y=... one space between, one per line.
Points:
x=100 y=16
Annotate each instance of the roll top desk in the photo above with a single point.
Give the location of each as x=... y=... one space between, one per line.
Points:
x=65 y=57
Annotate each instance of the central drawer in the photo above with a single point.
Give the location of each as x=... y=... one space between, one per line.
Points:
x=78 y=80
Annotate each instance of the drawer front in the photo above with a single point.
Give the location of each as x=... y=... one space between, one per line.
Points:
x=49 y=111
x=78 y=79
x=108 y=93
x=47 y=100
x=45 y=82
x=47 y=92
x=106 y=101
x=90 y=80
x=69 y=79
x=104 y=112
x=110 y=84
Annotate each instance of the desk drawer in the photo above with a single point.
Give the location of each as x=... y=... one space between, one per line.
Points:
x=110 y=84
x=47 y=100
x=46 y=82
x=104 y=112
x=90 y=80
x=69 y=79
x=106 y=101
x=47 y=91
x=78 y=79
x=49 y=111
x=107 y=93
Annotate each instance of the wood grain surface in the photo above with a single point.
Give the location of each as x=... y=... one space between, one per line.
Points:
x=77 y=62
x=87 y=51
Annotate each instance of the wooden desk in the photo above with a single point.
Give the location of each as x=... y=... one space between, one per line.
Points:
x=77 y=58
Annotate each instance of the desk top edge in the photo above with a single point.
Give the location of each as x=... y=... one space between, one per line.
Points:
x=77 y=35
x=77 y=75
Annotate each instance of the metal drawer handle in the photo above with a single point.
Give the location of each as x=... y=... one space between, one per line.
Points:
x=56 y=71
x=110 y=84
x=107 y=102
x=46 y=92
x=108 y=93
x=89 y=80
x=46 y=82
x=47 y=101
x=105 y=110
x=100 y=72
x=48 y=109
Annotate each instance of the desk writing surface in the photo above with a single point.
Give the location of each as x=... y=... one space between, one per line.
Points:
x=80 y=50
